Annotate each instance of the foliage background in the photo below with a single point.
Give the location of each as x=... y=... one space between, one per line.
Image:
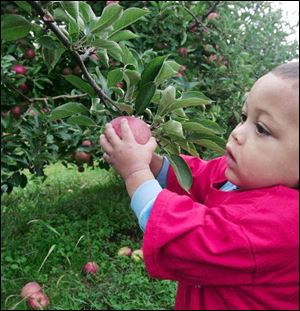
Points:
x=223 y=58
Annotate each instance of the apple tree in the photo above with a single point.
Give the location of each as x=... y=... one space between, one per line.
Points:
x=66 y=72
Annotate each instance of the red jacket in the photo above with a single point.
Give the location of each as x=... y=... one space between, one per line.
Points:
x=233 y=250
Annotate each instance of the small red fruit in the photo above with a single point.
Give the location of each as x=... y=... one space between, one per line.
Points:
x=16 y=111
x=19 y=69
x=86 y=143
x=67 y=71
x=29 y=289
x=111 y=2
x=91 y=267
x=29 y=54
x=77 y=70
x=38 y=301
x=120 y=85
x=23 y=87
x=183 y=51
x=81 y=156
x=213 y=15
x=139 y=128
x=94 y=56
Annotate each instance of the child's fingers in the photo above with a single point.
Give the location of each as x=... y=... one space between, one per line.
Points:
x=105 y=144
x=111 y=135
x=126 y=131
x=106 y=158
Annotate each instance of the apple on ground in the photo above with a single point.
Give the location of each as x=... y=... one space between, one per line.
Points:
x=137 y=255
x=125 y=251
x=38 y=301
x=91 y=268
x=29 y=289
x=139 y=128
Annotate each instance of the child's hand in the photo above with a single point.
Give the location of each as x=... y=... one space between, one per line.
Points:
x=126 y=155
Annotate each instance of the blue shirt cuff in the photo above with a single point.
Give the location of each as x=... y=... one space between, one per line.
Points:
x=145 y=193
x=163 y=173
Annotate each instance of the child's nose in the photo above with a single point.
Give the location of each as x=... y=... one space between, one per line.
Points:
x=238 y=134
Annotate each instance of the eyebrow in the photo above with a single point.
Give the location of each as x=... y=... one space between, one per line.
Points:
x=261 y=111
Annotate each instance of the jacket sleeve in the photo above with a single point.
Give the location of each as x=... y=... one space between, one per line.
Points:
x=191 y=243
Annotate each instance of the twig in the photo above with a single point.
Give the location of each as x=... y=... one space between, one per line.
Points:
x=49 y=21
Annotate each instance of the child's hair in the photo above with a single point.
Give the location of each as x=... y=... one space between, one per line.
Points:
x=288 y=71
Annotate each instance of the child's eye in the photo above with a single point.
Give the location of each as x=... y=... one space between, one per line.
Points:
x=243 y=117
x=261 y=130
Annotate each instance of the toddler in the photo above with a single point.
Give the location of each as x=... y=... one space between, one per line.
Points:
x=232 y=242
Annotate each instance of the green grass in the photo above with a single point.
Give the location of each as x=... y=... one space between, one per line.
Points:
x=51 y=229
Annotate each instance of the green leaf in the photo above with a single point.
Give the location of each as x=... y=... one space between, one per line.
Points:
x=205 y=127
x=14 y=27
x=110 y=14
x=52 y=57
x=67 y=110
x=188 y=102
x=127 y=56
x=72 y=7
x=129 y=17
x=168 y=70
x=112 y=47
x=152 y=69
x=144 y=97
x=86 y=12
x=131 y=77
x=173 y=128
x=114 y=77
x=80 y=84
x=123 y=35
x=24 y=5
x=81 y=120
x=210 y=145
x=182 y=171
x=167 y=98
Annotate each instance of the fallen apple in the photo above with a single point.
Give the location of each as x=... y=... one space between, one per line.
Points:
x=139 y=128
x=137 y=255
x=125 y=251
x=30 y=288
x=90 y=268
x=38 y=301
x=81 y=156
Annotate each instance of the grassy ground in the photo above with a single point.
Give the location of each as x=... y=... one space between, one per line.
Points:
x=51 y=229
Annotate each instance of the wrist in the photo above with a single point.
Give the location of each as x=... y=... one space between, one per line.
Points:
x=136 y=178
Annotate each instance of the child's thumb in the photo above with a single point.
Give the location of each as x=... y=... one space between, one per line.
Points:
x=151 y=144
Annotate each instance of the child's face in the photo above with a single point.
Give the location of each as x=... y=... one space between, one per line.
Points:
x=263 y=150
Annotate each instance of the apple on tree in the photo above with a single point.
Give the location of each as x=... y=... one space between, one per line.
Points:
x=19 y=69
x=29 y=54
x=139 y=128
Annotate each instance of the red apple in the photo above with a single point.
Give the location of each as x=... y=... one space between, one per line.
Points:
x=19 y=69
x=38 y=301
x=94 y=56
x=23 y=87
x=77 y=70
x=213 y=15
x=111 y=2
x=212 y=58
x=30 y=288
x=67 y=71
x=120 y=85
x=16 y=111
x=81 y=157
x=91 y=267
x=125 y=251
x=183 y=51
x=86 y=143
x=29 y=54
x=139 y=128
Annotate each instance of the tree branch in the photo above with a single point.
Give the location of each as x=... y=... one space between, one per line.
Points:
x=50 y=23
